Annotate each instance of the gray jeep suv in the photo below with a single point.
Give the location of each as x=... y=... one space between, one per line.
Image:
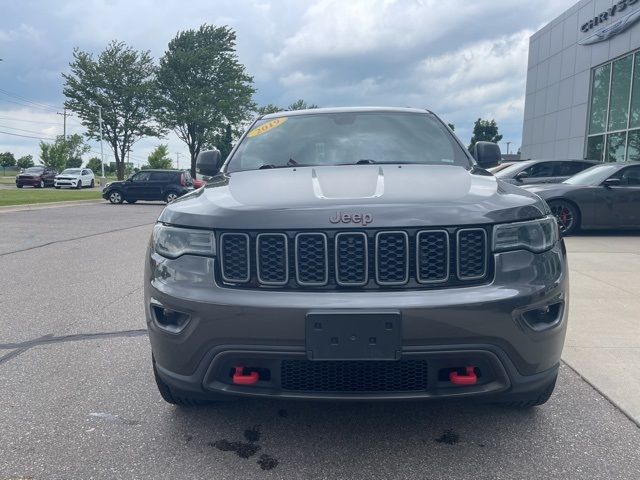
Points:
x=355 y=253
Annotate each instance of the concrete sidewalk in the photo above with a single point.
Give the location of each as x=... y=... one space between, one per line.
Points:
x=603 y=339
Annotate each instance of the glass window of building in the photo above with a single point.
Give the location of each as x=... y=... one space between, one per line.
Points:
x=614 y=114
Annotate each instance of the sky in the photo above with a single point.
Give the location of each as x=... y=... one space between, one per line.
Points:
x=461 y=59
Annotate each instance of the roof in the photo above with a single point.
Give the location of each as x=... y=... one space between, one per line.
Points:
x=315 y=111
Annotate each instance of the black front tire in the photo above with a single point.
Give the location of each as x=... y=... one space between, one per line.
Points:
x=79 y=186
x=567 y=214
x=19 y=186
x=93 y=184
x=171 y=196
x=116 y=197
x=175 y=396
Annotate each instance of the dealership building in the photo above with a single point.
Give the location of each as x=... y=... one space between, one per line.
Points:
x=583 y=84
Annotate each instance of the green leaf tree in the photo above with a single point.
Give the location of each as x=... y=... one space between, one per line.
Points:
x=484 y=131
x=121 y=81
x=203 y=87
x=7 y=159
x=95 y=165
x=25 y=162
x=63 y=153
x=301 y=105
x=225 y=142
x=270 y=108
x=159 y=158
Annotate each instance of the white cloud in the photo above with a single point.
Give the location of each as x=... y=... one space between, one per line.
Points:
x=462 y=59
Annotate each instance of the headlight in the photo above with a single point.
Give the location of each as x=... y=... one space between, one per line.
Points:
x=171 y=242
x=535 y=235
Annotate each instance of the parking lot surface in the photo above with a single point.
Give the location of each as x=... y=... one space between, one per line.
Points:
x=77 y=397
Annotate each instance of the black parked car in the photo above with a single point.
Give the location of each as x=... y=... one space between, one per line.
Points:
x=164 y=185
x=37 y=176
x=542 y=171
x=604 y=196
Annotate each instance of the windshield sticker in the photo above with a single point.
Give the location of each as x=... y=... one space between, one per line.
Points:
x=265 y=127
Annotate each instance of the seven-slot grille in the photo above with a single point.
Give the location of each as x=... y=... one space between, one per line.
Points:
x=367 y=259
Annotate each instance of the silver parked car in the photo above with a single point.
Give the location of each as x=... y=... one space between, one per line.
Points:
x=529 y=172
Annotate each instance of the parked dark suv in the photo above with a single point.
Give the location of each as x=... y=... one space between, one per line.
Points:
x=357 y=254
x=166 y=185
x=38 y=177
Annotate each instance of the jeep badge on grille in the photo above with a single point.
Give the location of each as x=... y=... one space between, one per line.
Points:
x=362 y=218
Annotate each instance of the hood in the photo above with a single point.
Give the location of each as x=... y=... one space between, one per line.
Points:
x=341 y=196
x=549 y=190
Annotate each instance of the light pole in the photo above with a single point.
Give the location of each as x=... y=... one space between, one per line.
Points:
x=178 y=159
x=508 y=143
x=103 y=180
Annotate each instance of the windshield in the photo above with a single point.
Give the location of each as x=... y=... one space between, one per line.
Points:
x=347 y=138
x=71 y=171
x=592 y=176
x=34 y=170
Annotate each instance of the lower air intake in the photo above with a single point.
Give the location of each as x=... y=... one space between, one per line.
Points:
x=354 y=376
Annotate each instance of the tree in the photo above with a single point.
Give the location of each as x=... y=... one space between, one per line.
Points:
x=203 y=87
x=121 y=82
x=159 y=158
x=270 y=108
x=25 y=162
x=7 y=159
x=224 y=143
x=484 y=131
x=63 y=153
x=95 y=165
x=73 y=163
x=301 y=105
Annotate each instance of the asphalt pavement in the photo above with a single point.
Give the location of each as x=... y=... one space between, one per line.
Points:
x=78 y=400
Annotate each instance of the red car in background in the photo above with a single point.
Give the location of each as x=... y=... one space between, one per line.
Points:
x=38 y=177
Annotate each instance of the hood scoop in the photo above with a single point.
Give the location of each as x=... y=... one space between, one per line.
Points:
x=333 y=184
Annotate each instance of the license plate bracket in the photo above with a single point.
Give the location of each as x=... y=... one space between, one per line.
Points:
x=339 y=335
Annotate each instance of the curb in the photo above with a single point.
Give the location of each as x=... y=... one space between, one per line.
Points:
x=43 y=206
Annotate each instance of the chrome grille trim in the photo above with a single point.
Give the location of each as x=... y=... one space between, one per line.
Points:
x=447 y=257
x=485 y=252
x=326 y=260
x=406 y=258
x=222 y=256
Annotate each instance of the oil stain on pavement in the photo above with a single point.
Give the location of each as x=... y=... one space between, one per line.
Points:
x=247 y=449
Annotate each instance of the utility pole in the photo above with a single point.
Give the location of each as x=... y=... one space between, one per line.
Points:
x=508 y=143
x=178 y=159
x=64 y=128
x=102 y=179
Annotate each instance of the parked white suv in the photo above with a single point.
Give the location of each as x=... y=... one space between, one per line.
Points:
x=75 y=178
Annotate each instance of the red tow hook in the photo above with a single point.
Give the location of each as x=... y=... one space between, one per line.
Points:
x=469 y=379
x=239 y=377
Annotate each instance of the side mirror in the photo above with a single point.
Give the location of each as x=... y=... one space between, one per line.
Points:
x=487 y=154
x=521 y=176
x=611 y=182
x=209 y=162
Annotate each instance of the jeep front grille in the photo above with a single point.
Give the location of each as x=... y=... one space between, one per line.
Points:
x=365 y=259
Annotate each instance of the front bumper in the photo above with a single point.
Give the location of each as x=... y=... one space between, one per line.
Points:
x=28 y=182
x=65 y=183
x=480 y=325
